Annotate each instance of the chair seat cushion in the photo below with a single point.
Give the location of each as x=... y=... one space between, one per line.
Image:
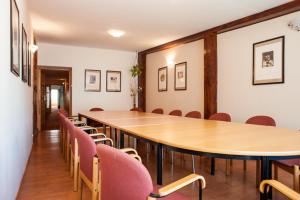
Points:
x=172 y=196
x=290 y=162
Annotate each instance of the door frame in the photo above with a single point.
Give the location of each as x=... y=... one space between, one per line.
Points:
x=39 y=97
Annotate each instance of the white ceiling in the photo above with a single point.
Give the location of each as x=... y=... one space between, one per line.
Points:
x=147 y=23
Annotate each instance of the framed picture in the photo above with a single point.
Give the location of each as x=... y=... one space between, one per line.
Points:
x=163 y=79
x=29 y=64
x=14 y=38
x=92 y=80
x=180 y=76
x=24 y=56
x=113 y=81
x=268 y=61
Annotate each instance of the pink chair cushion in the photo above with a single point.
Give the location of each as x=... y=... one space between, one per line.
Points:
x=290 y=162
x=261 y=120
x=70 y=129
x=86 y=151
x=122 y=177
x=96 y=109
x=176 y=113
x=158 y=111
x=193 y=114
x=220 y=117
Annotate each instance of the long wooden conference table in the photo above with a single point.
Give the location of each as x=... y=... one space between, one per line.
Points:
x=209 y=138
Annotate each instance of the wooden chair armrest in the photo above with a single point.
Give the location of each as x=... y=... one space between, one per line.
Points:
x=129 y=150
x=136 y=157
x=288 y=192
x=172 y=187
x=97 y=134
x=79 y=123
x=104 y=140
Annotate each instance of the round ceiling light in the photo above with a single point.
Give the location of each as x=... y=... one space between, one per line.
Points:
x=116 y=33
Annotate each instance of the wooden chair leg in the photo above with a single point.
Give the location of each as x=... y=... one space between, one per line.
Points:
x=245 y=165
x=257 y=173
x=76 y=174
x=80 y=188
x=72 y=165
x=227 y=167
x=296 y=178
x=275 y=171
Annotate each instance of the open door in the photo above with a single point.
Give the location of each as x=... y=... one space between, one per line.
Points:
x=55 y=94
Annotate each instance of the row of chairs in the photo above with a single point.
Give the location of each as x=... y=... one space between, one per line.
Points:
x=291 y=165
x=108 y=172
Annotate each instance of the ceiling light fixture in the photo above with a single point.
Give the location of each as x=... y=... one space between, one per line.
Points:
x=116 y=33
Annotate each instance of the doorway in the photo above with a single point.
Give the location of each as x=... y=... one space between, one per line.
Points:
x=55 y=94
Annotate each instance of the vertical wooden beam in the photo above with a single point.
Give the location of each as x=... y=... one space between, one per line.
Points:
x=210 y=74
x=142 y=81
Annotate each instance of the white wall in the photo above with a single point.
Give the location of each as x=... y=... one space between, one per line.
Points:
x=16 y=110
x=81 y=58
x=187 y=100
x=237 y=95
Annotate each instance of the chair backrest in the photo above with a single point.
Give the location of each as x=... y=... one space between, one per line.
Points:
x=64 y=112
x=220 y=117
x=96 y=109
x=158 y=111
x=86 y=151
x=261 y=120
x=70 y=129
x=193 y=114
x=122 y=176
x=136 y=109
x=176 y=113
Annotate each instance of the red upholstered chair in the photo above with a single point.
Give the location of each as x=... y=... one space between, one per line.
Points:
x=266 y=185
x=226 y=118
x=88 y=161
x=158 y=111
x=291 y=166
x=176 y=113
x=123 y=177
x=96 y=109
x=136 y=109
x=220 y=117
x=264 y=121
x=194 y=114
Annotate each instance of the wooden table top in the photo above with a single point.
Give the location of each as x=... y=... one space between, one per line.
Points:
x=204 y=135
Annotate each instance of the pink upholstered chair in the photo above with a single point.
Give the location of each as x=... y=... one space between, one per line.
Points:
x=220 y=117
x=123 y=177
x=194 y=114
x=158 y=111
x=197 y=115
x=176 y=113
x=96 y=109
x=88 y=161
x=226 y=118
x=264 y=121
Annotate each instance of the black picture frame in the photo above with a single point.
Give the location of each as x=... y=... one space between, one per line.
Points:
x=14 y=38
x=29 y=64
x=24 y=55
x=271 y=55
x=184 y=76
x=88 y=87
x=109 y=88
x=160 y=70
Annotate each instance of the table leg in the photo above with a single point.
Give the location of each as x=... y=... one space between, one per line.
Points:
x=212 y=166
x=104 y=129
x=159 y=163
x=266 y=173
x=121 y=139
x=116 y=138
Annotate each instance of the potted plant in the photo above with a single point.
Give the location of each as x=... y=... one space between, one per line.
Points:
x=136 y=70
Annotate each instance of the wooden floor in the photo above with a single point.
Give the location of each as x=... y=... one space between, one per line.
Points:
x=47 y=175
